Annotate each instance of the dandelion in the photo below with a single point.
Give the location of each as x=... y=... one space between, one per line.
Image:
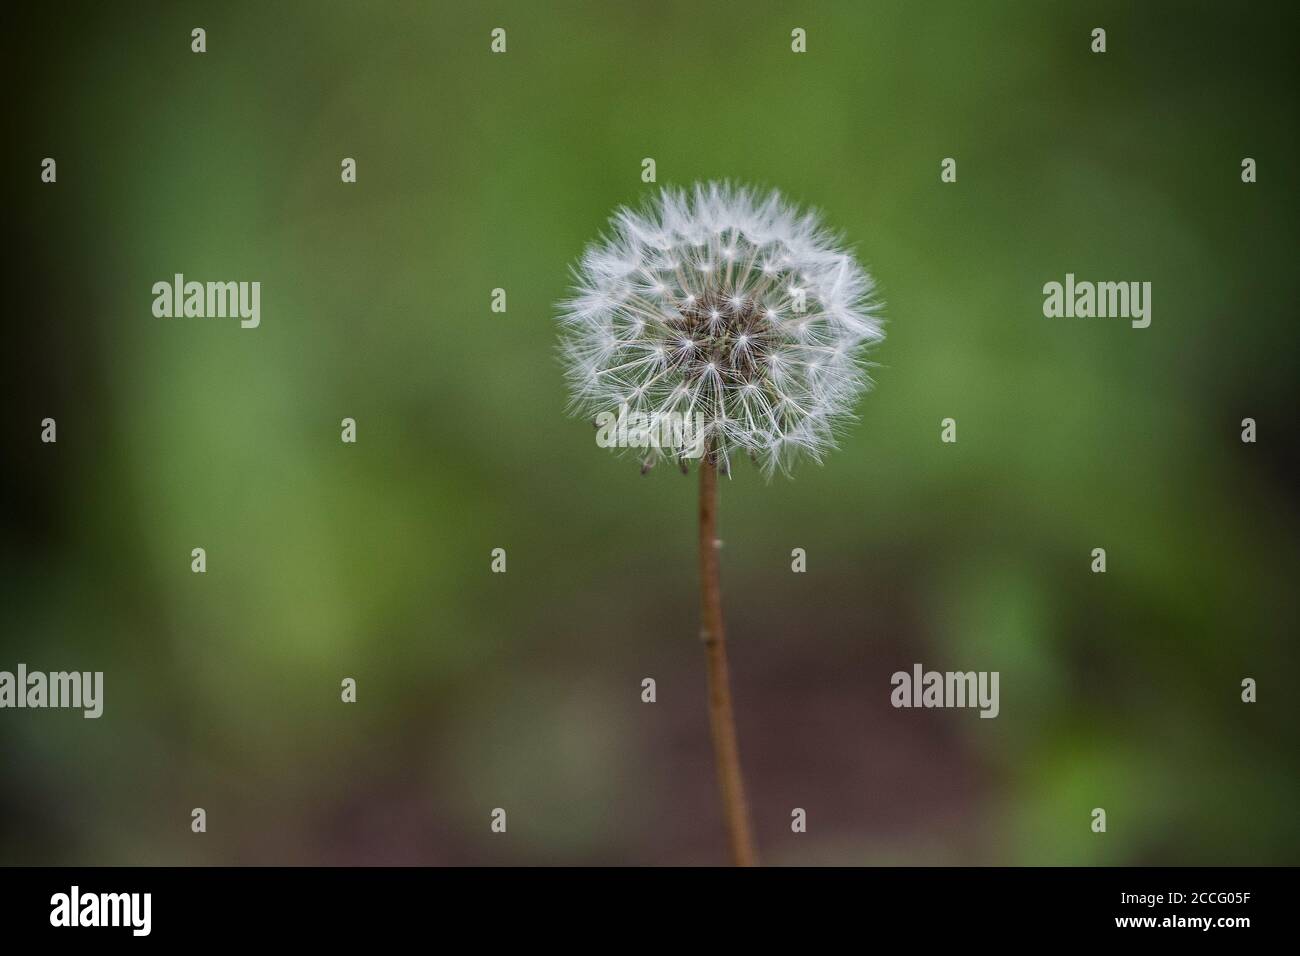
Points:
x=743 y=317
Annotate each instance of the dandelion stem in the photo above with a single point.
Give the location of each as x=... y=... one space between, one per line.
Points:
x=726 y=753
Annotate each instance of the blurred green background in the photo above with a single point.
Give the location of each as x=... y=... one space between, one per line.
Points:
x=522 y=690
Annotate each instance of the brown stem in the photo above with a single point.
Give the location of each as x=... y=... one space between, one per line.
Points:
x=726 y=753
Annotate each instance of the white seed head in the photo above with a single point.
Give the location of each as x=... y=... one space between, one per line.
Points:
x=726 y=308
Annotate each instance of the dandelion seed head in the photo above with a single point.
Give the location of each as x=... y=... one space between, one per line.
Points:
x=727 y=307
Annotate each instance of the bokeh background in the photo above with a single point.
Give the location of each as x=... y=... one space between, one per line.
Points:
x=522 y=691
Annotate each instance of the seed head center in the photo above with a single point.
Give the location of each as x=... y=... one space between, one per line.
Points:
x=728 y=335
